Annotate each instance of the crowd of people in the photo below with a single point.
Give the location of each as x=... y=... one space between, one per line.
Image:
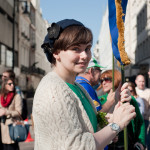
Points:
x=66 y=103
x=69 y=98
x=136 y=127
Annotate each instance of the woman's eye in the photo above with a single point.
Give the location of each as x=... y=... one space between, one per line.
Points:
x=87 y=49
x=76 y=49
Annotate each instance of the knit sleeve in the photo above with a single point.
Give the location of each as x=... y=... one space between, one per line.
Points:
x=59 y=121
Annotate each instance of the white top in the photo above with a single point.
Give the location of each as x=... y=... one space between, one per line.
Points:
x=60 y=121
x=145 y=95
x=141 y=105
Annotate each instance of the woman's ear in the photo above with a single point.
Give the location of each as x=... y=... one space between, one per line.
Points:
x=91 y=72
x=56 y=55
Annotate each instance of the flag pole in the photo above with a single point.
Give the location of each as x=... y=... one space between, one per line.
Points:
x=117 y=10
x=113 y=69
x=123 y=55
x=125 y=129
x=113 y=86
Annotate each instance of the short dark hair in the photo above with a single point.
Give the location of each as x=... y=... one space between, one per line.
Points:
x=59 y=36
x=71 y=36
x=11 y=74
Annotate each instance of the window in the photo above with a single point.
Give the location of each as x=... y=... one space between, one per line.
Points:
x=3 y=54
x=9 y=58
x=16 y=59
x=6 y=56
x=142 y=19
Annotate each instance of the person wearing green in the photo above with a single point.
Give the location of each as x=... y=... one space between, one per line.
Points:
x=136 y=127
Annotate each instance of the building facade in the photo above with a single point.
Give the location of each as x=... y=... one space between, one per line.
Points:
x=6 y=34
x=22 y=32
x=137 y=40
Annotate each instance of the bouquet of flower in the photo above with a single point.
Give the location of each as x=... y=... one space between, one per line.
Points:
x=101 y=119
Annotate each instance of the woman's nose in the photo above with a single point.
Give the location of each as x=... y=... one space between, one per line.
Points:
x=85 y=55
x=103 y=83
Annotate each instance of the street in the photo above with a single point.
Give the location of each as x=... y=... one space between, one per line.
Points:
x=26 y=145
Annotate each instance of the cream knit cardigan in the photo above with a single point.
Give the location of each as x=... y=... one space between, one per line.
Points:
x=60 y=121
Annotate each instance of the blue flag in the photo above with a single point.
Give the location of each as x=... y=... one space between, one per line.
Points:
x=113 y=27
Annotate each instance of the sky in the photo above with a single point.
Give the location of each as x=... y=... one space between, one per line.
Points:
x=89 y=12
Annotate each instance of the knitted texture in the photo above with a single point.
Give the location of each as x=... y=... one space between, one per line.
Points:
x=60 y=121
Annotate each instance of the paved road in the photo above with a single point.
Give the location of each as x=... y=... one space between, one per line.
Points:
x=26 y=146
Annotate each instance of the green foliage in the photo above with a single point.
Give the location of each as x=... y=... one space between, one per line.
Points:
x=102 y=121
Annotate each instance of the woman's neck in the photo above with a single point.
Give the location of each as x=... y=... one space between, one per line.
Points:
x=66 y=76
x=6 y=92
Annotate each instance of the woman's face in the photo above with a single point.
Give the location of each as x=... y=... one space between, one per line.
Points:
x=75 y=59
x=9 y=86
x=5 y=75
x=131 y=90
x=106 y=84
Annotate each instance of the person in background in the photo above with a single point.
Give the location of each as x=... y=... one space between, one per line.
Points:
x=131 y=87
x=144 y=93
x=11 y=74
x=6 y=74
x=63 y=113
x=90 y=78
x=136 y=128
x=10 y=110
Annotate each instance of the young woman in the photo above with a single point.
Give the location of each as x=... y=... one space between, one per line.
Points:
x=131 y=87
x=63 y=113
x=10 y=108
x=136 y=128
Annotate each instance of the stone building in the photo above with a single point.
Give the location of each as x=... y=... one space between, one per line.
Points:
x=137 y=36
x=22 y=38
x=6 y=34
x=137 y=40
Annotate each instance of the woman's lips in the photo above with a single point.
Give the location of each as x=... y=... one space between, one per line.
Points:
x=82 y=64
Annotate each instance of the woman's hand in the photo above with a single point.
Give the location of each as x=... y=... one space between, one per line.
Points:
x=2 y=112
x=109 y=117
x=111 y=97
x=122 y=93
x=123 y=113
x=125 y=93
